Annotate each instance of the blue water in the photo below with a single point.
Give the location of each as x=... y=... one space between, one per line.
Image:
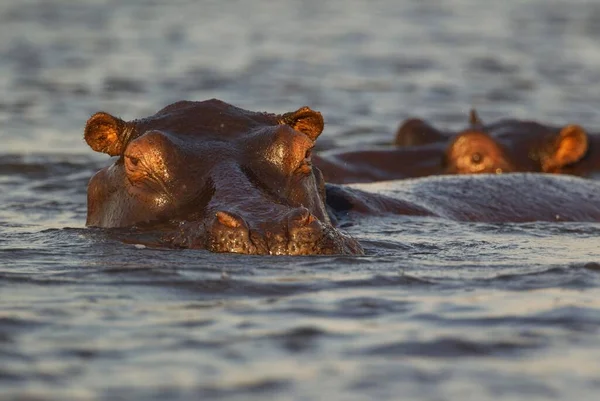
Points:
x=436 y=310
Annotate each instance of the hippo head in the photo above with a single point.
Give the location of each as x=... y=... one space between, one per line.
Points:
x=505 y=146
x=212 y=176
x=530 y=146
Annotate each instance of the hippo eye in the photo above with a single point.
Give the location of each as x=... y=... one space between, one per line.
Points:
x=476 y=158
x=133 y=160
x=305 y=166
x=134 y=167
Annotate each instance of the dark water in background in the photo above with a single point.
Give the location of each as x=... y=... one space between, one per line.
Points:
x=437 y=310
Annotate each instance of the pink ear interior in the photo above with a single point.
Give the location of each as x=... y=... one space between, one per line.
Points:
x=103 y=133
x=571 y=146
x=305 y=120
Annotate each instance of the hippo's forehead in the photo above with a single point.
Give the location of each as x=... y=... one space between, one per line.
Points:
x=207 y=119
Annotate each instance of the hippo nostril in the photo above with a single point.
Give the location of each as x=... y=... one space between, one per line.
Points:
x=228 y=232
x=301 y=217
x=228 y=219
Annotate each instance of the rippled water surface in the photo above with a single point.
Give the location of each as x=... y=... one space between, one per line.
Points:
x=436 y=310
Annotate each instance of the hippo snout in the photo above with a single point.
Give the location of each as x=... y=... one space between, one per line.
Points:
x=229 y=233
x=304 y=228
x=297 y=232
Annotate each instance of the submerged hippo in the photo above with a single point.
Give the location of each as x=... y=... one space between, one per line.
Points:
x=509 y=146
x=209 y=175
x=216 y=177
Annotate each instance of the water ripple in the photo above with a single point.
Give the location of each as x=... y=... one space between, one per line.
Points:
x=436 y=309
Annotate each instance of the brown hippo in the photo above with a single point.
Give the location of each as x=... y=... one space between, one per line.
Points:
x=510 y=145
x=209 y=175
x=216 y=177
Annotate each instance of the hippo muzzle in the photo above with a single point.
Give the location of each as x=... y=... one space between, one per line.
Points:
x=297 y=233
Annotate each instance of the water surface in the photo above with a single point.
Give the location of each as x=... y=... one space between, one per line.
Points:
x=436 y=310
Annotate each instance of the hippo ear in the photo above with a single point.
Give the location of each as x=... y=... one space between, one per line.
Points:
x=570 y=146
x=474 y=120
x=305 y=120
x=414 y=131
x=104 y=133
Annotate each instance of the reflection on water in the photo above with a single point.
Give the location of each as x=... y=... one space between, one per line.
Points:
x=436 y=310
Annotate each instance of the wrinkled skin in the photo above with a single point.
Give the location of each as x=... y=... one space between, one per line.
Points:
x=212 y=176
x=508 y=146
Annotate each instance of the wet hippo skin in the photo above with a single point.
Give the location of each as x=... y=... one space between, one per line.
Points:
x=210 y=175
x=380 y=163
x=497 y=198
x=508 y=146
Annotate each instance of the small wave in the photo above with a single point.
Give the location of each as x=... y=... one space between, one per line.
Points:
x=299 y=339
x=574 y=318
x=452 y=348
x=248 y=389
x=40 y=165
x=573 y=276
x=44 y=280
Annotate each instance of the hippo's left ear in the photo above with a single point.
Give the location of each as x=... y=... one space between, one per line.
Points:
x=305 y=120
x=105 y=133
x=570 y=146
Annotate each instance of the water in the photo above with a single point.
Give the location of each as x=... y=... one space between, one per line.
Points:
x=436 y=310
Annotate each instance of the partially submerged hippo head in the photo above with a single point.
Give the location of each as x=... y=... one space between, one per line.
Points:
x=505 y=146
x=210 y=175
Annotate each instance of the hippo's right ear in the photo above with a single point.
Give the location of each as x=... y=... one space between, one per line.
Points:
x=105 y=133
x=305 y=120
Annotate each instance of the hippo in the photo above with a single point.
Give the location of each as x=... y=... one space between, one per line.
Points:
x=510 y=146
x=213 y=176
x=208 y=175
